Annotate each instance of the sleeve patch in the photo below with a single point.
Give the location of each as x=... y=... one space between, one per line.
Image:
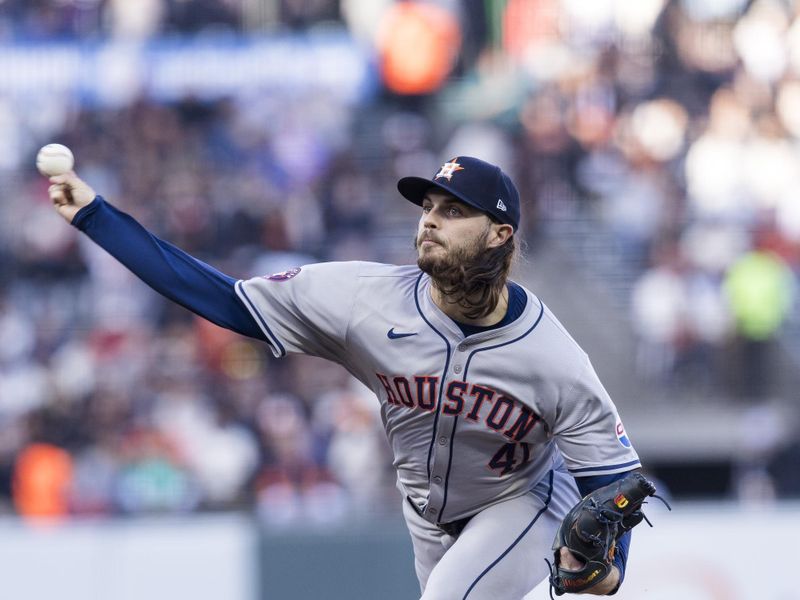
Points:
x=621 y=436
x=283 y=275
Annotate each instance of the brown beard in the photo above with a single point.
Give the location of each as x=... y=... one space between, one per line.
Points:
x=472 y=276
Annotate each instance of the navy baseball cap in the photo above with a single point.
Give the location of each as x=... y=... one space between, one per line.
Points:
x=474 y=182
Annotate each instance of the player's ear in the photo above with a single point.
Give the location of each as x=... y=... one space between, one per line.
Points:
x=499 y=235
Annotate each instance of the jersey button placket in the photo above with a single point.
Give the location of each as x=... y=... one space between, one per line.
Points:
x=437 y=476
x=441 y=455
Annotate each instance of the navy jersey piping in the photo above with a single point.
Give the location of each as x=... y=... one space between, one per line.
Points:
x=605 y=468
x=441 y=387
x=449 y=466
x=273 y=338
x=516 y=541
x=474 y=352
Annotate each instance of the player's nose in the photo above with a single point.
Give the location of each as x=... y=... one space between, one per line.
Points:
x=430 y=220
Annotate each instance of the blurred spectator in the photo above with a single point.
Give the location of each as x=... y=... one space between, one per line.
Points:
x=351 y=424
x=293 y=487
x=132 y=22
x=42 y=479
x=660 y=305
x=151 y=477
x=759 y=287
x=418 y=44
x=715 y=163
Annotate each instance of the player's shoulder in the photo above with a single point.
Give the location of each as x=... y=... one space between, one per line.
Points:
x=344 y=274
x=559 y=341
x=360 y=277
x=373 y=269
x=395 y=281
x=363 y=269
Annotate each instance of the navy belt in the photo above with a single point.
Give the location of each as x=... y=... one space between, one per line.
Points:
x=453 y=528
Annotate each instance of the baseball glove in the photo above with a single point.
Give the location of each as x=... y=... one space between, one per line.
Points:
x=591 y=529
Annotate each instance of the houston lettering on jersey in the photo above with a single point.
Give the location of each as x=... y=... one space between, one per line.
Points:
x=474 y=402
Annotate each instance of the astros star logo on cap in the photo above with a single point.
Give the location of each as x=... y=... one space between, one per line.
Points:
x=448 y=169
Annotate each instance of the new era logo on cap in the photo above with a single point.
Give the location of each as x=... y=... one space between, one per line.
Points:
x=472 y=181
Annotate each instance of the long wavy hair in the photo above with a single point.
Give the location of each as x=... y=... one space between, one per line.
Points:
x=474 y=276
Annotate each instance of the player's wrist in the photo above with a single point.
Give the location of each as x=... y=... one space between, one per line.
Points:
x=609 y=585
x=83 y=213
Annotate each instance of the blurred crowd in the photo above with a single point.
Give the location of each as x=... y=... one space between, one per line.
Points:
x=150 y=408
x=92 y=19
x=674 y=131
x=672 y=126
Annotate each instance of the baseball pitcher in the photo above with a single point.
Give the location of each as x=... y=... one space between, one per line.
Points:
x=496 y=419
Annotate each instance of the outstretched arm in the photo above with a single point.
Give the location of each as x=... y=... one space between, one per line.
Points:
x=165 y=268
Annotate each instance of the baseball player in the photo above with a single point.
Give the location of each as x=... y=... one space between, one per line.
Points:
x=496 y=419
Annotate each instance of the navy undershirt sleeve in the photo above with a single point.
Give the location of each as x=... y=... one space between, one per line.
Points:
x=168 y=270
x=587 y=485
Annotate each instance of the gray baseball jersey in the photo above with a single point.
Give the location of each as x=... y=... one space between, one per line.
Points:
x=471 y=422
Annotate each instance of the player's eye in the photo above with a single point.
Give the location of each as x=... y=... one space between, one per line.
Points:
x=426 y=209
x=454 y=211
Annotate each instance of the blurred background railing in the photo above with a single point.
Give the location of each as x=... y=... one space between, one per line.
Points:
x=655 y=144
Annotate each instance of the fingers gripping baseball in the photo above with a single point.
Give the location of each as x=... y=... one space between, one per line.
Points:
x=67 y=191
x=69 y=194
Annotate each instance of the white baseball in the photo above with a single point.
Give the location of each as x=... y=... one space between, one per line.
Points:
x=54 y=159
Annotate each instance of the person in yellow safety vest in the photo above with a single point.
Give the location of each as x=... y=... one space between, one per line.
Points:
x=759 y=288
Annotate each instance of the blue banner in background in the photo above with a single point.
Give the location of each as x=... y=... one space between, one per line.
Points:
x=115 y=73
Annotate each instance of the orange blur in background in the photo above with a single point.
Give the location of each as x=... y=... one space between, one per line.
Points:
x=418 y=45
x=42 y=478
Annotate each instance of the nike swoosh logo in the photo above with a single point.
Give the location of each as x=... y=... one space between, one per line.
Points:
x=396 y=336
